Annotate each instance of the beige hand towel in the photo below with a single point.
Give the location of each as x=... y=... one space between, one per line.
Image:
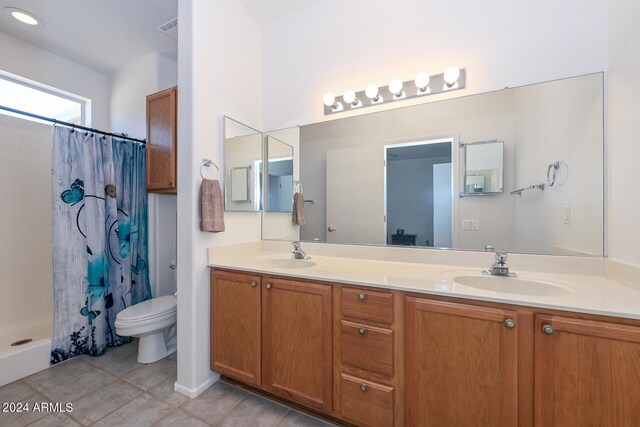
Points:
x=211 y=206
x=298 y=209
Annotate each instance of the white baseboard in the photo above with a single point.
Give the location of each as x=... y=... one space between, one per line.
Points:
x=195 y=392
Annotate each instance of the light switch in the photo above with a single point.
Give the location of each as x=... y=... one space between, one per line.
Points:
x=567 y=214
x=475 y=225
x=466 y=224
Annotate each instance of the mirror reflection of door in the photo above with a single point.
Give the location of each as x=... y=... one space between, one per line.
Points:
x=280 y=176
x=419 y=193
x=355 y=202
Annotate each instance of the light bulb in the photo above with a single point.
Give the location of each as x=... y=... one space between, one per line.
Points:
x=395 y=87
x=372 y=93
x=329 y=99
x=451 y=75
x=422 y=82
x=349 y=96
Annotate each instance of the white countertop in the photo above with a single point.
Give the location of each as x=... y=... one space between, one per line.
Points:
x=580 y=283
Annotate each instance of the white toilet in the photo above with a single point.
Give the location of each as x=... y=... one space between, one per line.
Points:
x=154 y=322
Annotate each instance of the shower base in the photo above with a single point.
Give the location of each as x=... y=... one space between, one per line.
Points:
x=20 y=361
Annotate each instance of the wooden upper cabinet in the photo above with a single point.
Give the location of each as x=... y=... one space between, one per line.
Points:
x=587 y=373
x=235 y=326
x=297 y=341
x=461 y=365
x=162 y=137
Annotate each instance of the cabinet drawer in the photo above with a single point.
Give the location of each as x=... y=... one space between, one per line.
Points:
x=366 y=403
x=367 y=347
x=367 y=305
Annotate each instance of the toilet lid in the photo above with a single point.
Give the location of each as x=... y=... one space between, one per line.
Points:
x=148 y=309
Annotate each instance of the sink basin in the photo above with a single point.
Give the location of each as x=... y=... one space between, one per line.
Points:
x=288 y=263
x=511 y=285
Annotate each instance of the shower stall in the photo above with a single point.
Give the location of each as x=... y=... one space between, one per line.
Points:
x=26 y=307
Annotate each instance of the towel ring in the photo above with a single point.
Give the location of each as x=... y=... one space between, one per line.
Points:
x=297 y=185
x=552 y=171
x=207 y=163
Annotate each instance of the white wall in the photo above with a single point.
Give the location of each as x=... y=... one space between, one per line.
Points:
x=337 y=45
x=25 y=229
x=33 y=63
x=624 y=135
x=129 y=88
x=219 y=73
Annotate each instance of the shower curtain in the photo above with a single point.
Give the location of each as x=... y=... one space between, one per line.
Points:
x=99 y=239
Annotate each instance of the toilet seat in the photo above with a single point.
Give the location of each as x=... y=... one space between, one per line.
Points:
x=153 y=310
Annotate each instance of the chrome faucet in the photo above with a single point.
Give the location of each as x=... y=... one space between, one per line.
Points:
x=297 y=251
x=499 y=267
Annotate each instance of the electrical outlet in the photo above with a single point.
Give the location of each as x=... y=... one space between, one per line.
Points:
x=567 y=214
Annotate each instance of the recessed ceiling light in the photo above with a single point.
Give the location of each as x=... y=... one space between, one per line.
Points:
x=23 y=16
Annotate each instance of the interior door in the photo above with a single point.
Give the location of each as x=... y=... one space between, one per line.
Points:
x=355 y=196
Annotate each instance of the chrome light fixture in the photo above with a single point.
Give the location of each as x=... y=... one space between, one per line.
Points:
x=349 y=96
x=453 y=78
x=422 y=83
x=329 y=100
x=373 y=93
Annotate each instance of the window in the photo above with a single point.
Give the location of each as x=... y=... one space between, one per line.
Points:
x=34 y=98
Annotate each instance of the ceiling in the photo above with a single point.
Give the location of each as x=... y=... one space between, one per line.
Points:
x=102 y=34
x=266 y=11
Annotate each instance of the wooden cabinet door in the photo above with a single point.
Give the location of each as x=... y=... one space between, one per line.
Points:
x=297 y=341
x=461 y=365
x=587 y=373
x=162 y=127
x=235 y=326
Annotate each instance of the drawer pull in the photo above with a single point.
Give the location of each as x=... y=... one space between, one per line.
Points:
x=548 y=329
x=362 y=296
x=269 y=286
x=362 y=331
x=510 y=323
x=254 y=284
x=363 y=388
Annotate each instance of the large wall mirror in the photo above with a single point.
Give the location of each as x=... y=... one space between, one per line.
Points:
x=412 y=176
x=243 y=165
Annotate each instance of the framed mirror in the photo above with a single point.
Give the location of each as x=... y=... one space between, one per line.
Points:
x=483 y=168
x=398 y=177
x=242 y=164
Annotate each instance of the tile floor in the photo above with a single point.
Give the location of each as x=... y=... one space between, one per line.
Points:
x=119 y=391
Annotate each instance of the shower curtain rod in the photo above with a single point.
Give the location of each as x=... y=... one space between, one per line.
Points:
x=71 y=125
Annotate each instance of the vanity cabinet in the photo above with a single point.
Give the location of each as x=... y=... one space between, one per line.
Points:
x=461 y=364
x=587 y=373
x=297 y=341
x=236 y=326
x=162 y=140
x=380 y=358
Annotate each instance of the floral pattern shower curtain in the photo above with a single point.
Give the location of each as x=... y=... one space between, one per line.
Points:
x=99 y=239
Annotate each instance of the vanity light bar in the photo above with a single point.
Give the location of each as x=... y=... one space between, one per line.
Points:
x=453 y=78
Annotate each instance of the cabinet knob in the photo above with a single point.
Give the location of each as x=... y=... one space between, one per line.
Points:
x=362 y=331
x=362 y=296
x=254 y=284
x=363 y=388
x=269 y=286
x=548 y=329
x=510 y=323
